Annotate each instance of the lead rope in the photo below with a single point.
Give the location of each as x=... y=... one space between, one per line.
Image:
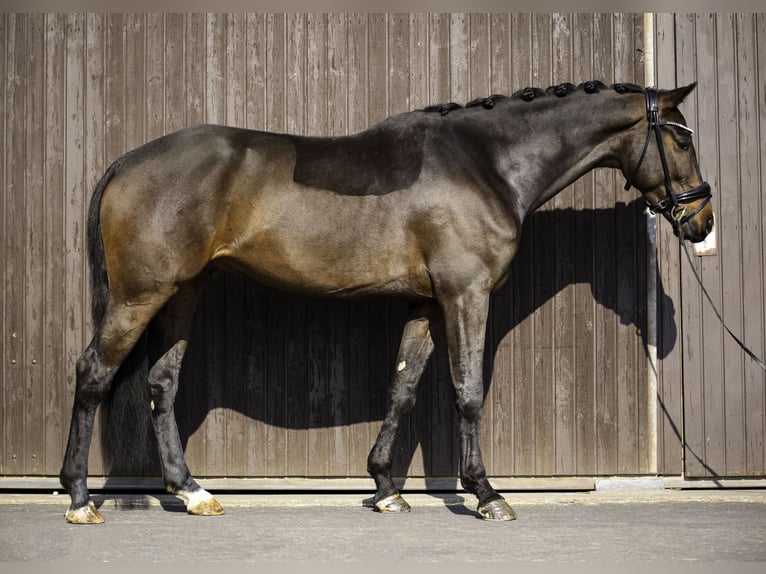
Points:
x=750 y=353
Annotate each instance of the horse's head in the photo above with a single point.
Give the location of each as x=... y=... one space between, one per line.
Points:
x=659 y=160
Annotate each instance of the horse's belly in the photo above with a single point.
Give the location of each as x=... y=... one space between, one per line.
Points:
x=329 y=268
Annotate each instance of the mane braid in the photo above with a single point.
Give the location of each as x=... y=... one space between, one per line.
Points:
x=487 y=103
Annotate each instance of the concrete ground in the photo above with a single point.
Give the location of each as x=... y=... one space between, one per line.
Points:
x=658 y=525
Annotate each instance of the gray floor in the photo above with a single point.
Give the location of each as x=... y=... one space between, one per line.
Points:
x=553 y=527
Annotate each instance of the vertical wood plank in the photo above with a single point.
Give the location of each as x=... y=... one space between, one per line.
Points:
x=670 y=406
x=697 y=437
x=398 y=63
x=523 y=335
x=154 y=54
x=544 y=287
x=646 y=451
x=747 y=418
x=479 y=55
x=276 y=117
x=583 y=240
x=378 y=311
x=194 y=49
x=74 y=160
x=563 y=278
x=317 y=312
x=95 y=147
x=115 y=91
x=363 y=430
x=15 y=232
x=501 y=315
x=704 y=121
x=255 y=71
x=214 y=300
x=638 y=334
x=338 y=392
x=55 y=402
x=4 y=365
x=420 y=424
x=238 y=345
x=628 y=402
x=139 y=85
x=34 y=265
x=257 y=326
x=107 y=141
x=604 y=39
x=297 y=373
x=500 y=55
x=191 y=402
x=174 y=73
x=757 y=450
x=378 y=65
x=399 y=102
x=235 y=70
x=460 y=77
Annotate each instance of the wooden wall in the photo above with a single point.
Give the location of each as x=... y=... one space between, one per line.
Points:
x=278 y=386
x=707 y=381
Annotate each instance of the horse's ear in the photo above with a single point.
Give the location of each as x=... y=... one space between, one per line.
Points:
x=672 y=98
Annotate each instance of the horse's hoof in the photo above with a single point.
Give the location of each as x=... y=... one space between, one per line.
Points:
x=209 y=507
x=393 y=503
x=87 y=514
x=498 y=510
x=200 y=502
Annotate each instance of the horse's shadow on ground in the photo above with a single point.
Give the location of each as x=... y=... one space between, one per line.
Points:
x=297 y=363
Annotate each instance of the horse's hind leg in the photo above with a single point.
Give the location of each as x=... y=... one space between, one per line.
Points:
x=414 y=350
x=115 y=337
x=168 y=339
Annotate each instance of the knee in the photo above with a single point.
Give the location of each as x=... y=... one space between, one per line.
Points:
x=404 y=396
x=163 y=382
x=469 y=406
x=93 y=377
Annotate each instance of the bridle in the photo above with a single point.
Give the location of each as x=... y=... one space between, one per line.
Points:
x=676 y=202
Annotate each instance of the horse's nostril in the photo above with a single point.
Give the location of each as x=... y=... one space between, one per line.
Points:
x=709 y=224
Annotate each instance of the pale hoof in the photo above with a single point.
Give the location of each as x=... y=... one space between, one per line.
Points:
x=393 y=503
x=87 y=514
x=200 y=503
x=209 y=507
x=498 y=510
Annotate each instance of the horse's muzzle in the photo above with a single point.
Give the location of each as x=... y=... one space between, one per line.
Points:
x=697 y=229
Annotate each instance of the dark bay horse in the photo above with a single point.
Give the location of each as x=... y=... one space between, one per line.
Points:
x=426 y=205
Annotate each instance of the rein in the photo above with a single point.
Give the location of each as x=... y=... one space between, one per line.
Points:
x=677 y=202
x=750 y=353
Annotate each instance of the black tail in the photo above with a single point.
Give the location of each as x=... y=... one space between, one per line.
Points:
x=128 y=442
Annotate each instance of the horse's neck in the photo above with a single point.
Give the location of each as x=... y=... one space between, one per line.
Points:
x=556 y=145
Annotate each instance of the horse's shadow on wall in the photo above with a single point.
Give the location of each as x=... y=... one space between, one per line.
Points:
x=300 y=364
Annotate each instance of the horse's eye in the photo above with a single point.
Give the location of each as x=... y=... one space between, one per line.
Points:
x=685 y=145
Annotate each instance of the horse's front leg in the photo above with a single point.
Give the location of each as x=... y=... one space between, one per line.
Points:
x=465 y=318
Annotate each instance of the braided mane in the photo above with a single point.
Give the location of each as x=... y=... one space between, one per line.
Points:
x=529 y=94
